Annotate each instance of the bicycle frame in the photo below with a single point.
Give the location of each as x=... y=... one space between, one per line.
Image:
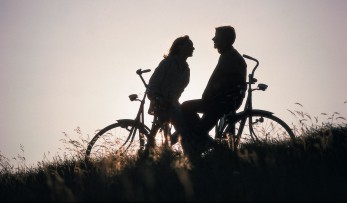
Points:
x=139 y=119
x=248 y=108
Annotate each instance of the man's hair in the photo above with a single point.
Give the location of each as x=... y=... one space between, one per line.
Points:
x=228 y=33
x=175 y=45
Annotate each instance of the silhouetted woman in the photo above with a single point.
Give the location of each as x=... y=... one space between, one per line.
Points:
x=168 y=82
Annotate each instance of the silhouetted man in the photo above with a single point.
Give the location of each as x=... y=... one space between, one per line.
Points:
x=224 y=92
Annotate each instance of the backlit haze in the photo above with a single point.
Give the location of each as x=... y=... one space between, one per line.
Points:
x=68 y=64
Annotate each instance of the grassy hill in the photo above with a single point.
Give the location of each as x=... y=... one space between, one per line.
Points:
x=314 y=169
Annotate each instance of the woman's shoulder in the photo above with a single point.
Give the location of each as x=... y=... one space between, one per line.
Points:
x=166 y=60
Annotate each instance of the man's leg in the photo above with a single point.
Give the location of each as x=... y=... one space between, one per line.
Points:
x=190 y=115
x=190 y=110
x=201 y=130
x=212 y=112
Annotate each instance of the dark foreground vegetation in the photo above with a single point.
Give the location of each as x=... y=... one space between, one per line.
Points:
x=314 y=169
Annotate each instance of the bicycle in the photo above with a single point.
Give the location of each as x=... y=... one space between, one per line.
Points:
x=262 y=126
x=136 y=134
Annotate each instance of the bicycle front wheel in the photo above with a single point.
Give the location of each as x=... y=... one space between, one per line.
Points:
x=257 y=127
x=126 y=137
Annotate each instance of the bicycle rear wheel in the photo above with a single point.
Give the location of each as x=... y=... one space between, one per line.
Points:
x=126 y=137
x=257 y=127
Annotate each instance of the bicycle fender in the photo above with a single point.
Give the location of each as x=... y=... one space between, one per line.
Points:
x=262 y=111
x=141 y=126
x=254 y=111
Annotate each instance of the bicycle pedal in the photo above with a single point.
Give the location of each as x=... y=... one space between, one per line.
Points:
x=207 y=152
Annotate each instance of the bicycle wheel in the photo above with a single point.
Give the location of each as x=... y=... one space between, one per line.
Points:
x=257 y=127
x=123 y=137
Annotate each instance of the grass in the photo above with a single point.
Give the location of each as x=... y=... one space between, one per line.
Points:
x=312 y=169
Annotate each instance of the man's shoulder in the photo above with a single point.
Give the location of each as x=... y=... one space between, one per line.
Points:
x=235 y=53
x=231 y=55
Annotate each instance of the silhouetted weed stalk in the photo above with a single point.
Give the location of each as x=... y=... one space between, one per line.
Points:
x=307 y=124
x=312 y=169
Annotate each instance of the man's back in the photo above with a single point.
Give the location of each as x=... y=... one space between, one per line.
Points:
x=230 y=72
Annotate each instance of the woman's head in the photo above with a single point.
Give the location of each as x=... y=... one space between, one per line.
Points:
x=182 y=45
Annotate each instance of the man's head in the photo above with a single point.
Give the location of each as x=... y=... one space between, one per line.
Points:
x=224 y=38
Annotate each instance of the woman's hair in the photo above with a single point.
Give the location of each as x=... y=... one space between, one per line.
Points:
x=175 y=45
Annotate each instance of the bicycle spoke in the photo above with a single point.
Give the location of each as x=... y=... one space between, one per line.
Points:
x=132 y=135
x=130 y=132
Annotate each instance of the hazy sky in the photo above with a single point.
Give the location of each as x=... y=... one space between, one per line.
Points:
x=68 y=64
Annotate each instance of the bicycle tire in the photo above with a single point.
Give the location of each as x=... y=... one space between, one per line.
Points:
x=123 y=137
x=266 y=128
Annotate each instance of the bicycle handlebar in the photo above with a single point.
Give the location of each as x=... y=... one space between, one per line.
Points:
x=253 y=59
x=139 y=71
x=250 y=58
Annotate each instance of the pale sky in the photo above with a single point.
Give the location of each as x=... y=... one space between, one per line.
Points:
x=67 y=64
